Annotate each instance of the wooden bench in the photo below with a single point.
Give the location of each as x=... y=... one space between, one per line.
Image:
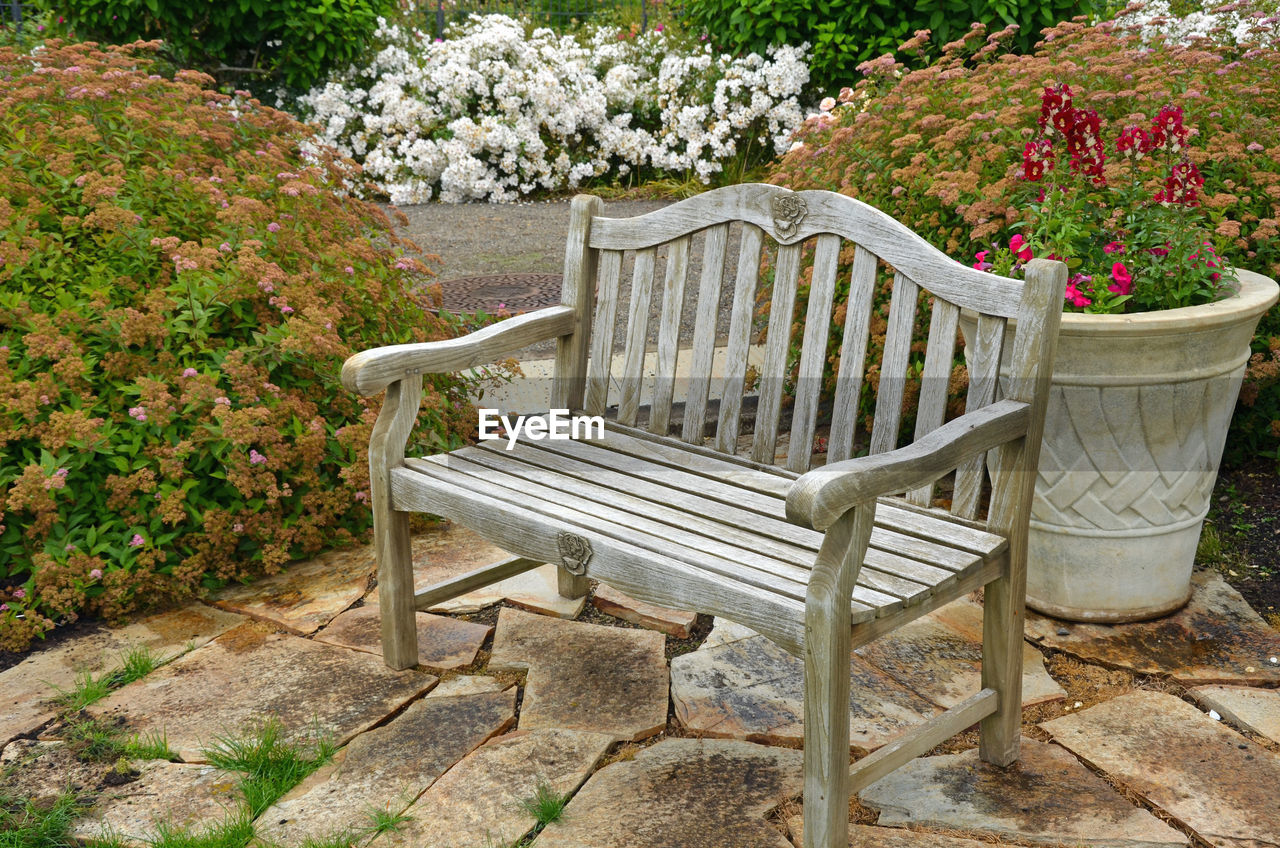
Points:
x=819 y=560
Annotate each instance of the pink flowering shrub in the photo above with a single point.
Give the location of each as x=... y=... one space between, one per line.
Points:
x=1126 y=217
x=179 y=285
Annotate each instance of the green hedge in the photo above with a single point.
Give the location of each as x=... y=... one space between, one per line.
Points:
x=295 y=42
x=843 y=34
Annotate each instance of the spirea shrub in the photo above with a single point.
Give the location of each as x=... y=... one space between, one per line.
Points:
x=942 y=148
x=179 y=284
x=493 y=113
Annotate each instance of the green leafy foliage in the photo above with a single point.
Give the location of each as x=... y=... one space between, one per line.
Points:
x=293 y=41
x=842 y=34
x=179 y=286
x=26 y=824
x=941 y=150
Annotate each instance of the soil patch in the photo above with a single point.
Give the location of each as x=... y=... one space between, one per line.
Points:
x=1246 y=516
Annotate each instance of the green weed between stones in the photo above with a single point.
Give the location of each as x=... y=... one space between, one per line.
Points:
x=25 y=824
x=271 y=765
x=135 y=665
x=385 y=820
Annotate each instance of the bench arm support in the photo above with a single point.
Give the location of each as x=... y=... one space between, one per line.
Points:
x=822 y=495
x=371 y=371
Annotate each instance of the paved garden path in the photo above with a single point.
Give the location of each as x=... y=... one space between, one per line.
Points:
x=1158 y=734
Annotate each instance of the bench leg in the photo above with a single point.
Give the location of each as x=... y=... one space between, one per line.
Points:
x=827 y=645
x=1002 y=618
x=395 y=588
x=572 y=586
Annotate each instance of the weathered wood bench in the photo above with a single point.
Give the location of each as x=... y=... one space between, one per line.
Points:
x=820 y=560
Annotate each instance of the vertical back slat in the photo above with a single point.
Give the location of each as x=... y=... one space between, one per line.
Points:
x=735 y=363
x=853 y=355
x=777 y=344
x=637 y=333
x=893 y=368
x=578 y=290
x=704 y=332
x=669 y=335
x=608 y=279
x=983 y=359
x=939 y=356
x=813 y=352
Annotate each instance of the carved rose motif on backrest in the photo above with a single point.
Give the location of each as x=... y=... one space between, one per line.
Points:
x=575 y=552
x=788 y=211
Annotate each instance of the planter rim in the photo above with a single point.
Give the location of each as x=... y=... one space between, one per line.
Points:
x=1255 y=295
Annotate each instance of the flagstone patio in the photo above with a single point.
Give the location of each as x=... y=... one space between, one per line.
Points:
x=1163 y=734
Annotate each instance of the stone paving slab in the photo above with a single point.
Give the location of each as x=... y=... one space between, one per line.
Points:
x=476 y=804
x=934 y=658
x=754 y=690
x=451 y=550
x=443 y=642
x=1048 y=798
x=724 y=631
x=1205 y=775
x=193 y=797
x=1256 y=710
x=692 y=793
x=585 y=676
x=25 y=689
x=867 y=836
x=247 y=675
x=386 y=768
x=1216 y=638
x=468 y=684
x=677 y=623
x=307 y=595
x=42 y=770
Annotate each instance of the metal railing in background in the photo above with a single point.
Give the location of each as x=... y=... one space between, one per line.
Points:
x=557 y=14
x=16 y=13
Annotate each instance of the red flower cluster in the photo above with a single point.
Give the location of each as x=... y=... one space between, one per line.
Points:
x=1166 y=131
x=1182 y=185
x=1081 y=129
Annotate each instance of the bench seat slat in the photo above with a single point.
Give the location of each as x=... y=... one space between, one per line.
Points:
x=706 y=521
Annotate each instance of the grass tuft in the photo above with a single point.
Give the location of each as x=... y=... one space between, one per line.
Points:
x=546 y=804
x=135 y=665
x=270 y=765
x=235 y=832
x=385 y=820
x=28 y=824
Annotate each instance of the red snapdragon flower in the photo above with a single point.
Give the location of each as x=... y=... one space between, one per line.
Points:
x=1182 y=185
x=1055 y=107
x=1036 y=156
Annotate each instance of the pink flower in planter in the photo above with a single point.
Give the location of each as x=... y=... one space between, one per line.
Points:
x=1123 y=281
x=137 y=541
x=982 y=264
x=1019 y=247
x=1113 y=247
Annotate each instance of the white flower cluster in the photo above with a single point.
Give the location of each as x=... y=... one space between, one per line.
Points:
x=491 y=113
x=1235 y=23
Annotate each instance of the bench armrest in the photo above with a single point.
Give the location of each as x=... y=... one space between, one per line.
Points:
x=822 y=495
x=371 y=371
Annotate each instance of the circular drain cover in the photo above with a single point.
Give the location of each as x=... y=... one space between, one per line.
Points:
x=512 y=292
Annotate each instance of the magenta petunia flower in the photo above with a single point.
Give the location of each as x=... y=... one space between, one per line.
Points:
x=1122 y=280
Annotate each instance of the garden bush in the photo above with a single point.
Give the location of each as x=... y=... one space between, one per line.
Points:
x=941 y=148
x=843 y=34
x=180 y=281
x=294 y=42
x=494 y=113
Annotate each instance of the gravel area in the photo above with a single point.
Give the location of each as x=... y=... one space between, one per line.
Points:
x=476 y=239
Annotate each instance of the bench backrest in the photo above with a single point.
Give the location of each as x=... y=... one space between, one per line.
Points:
x=790 y=231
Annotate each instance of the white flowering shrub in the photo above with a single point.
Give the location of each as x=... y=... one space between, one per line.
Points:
x=491 y=113
x=1233 y=23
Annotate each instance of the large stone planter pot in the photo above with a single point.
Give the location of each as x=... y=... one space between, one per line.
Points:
x=1137 y=421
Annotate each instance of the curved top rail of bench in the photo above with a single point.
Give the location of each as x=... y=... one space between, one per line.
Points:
x=793 y=216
